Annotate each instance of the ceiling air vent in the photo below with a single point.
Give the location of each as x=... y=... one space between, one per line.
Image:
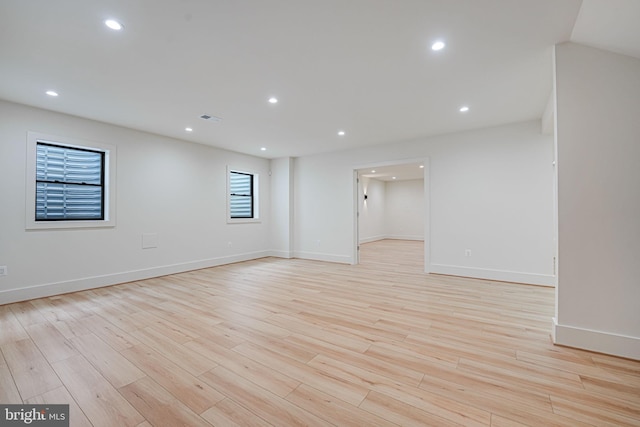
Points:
x=213 y=119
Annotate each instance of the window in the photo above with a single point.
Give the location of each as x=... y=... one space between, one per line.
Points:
x=243 y=196
x=69 y=183
x=240 y=195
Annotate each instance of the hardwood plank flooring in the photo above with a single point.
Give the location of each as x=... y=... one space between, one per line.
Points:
x=276 y=342
x=60 y=395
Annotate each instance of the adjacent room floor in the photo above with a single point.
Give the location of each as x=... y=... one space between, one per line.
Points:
x=294 y=342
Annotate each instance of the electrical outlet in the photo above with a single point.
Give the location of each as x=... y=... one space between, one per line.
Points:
x=467 y=252
x=3 y=270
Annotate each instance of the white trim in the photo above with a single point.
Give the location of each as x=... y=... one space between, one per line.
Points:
x=355 y=257
x=372 y=239
x=390 y=236
x=427 y=215
x=404 y=237
x=601 y=342
x=500 y=275
x=49 y=289
x=280 y=254
x=110 y=198
x=243 y=220
x=315 y=256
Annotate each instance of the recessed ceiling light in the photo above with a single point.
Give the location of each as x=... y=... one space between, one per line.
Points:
x=393 y=177
x=439 y=45
x=263 y=149
x=188 y=129
x=51 y=93
x=113 y=24
x=373 y=171
x=341 y=133
x=464 y=109
x=421 y=166
x=273 y=100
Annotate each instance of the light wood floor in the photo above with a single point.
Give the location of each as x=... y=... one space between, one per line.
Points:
x=293 y=342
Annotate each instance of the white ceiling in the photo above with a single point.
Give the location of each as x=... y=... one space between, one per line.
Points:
x=611 y=25
x=362 y=66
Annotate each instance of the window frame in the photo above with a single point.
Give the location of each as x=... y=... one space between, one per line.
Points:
x=100 y=185
x=255 y=191
x=109 y=183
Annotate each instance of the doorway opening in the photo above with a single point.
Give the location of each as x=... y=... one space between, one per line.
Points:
x=391 y=206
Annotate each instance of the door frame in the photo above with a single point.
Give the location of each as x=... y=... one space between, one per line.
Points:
x=358 y=198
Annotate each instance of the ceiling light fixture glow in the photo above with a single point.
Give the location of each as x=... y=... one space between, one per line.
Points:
x=421 y=166
x=113 y=24
x=464 y=109
x=51 y=93
x=263 y=149
x=273 y=100
x=341 y=133
x=393 y=177
x=373 y=171
x=188 y=129
x=439 y=45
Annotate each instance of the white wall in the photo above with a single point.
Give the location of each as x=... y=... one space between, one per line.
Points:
x=598 y=145
x=164 y=186
x=323 y=208
x=281 y=240
x=372 y=211
x=404 y=211
x=393 y=210
x=491 y=192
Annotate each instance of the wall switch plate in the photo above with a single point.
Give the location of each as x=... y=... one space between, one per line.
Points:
x=3 y=270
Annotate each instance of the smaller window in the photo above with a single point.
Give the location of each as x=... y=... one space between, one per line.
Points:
x=69 y=183
x=240 y=195
x=243 y=193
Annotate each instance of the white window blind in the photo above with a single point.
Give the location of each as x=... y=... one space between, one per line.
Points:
x=241 y=195
x=69 y=183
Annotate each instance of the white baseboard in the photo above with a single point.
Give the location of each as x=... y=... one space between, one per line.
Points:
x=404 y=237
x=500 y=275
x=390 y=236
x=49 y=289
x=372 y=239
x=315 y=256
x=280 y=254
x=601 y=342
